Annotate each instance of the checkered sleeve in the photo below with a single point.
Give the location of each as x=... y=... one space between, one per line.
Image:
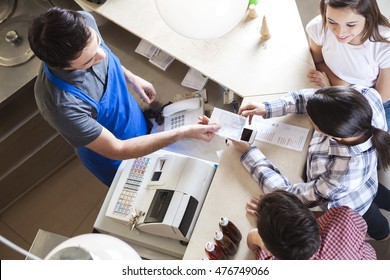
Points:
x=270 y=178
x=292 y=103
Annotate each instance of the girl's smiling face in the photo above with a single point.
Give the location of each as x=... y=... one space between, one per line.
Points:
x=345 y=25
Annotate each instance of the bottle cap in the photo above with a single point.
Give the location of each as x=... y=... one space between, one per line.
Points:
x=223 y=221
x=218 y=235
x=210 y=246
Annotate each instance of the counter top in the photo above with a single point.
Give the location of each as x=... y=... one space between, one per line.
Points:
x=232 y=188
x=238 y=60
x=252 y=69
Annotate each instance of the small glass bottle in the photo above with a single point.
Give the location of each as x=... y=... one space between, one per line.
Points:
x=229 y=229
x=214 y=252
x=225 y=243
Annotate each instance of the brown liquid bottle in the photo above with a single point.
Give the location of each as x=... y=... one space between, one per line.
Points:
x=225 y=243
x=230 y=230
x=214 y=252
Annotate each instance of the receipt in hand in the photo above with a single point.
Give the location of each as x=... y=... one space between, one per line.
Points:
x=232 y=124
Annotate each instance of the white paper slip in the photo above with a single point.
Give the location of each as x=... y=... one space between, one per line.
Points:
x=194 y=79
x=281 y=134
x=146 y=49
x=161 y=59
x=231 y=124
x=196 y=94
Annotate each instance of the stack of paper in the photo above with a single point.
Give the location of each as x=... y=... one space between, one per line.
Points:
x=161 y=59
x=146 y=49
x=194 y=79
x=156 y=56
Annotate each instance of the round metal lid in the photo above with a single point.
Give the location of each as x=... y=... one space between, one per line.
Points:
x=6 y=8
x=14 y=46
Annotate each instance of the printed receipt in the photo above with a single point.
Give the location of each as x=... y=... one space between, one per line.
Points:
x=231 y=124
x=281 y=134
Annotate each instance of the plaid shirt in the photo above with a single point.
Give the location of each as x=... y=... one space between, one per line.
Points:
x=337 y=174
x=342 y=237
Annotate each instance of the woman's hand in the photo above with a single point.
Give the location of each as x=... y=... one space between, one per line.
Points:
x=252 y=108
x=318 y=78
x=241 y=146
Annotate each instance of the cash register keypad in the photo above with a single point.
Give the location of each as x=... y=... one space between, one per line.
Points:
x=131 y=187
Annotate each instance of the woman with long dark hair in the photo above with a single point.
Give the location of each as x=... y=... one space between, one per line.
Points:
x=349 y=141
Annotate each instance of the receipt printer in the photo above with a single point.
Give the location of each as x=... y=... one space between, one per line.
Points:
x=161 y=193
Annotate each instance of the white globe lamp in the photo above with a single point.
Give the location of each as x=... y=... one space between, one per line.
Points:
x=202 y=19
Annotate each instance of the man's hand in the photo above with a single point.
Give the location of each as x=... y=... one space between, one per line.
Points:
x=203 y=120
x=143 y=88
x=203 y=132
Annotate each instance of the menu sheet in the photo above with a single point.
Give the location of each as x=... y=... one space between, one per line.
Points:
x=280 y=134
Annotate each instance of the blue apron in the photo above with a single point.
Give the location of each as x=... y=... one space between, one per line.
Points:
x=117 y=111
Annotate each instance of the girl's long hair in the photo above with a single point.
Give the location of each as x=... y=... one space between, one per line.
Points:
x=344 y=112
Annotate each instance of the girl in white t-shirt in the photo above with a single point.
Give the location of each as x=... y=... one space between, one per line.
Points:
x=350 y=44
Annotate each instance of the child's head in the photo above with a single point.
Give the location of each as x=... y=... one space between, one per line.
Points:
x=344 y=113
x=341 y=112
x=287 y=227
x=371 y=17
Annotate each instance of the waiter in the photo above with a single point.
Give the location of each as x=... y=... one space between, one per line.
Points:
x=81 y=90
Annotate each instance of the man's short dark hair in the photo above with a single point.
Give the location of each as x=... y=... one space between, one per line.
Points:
x=58 y=36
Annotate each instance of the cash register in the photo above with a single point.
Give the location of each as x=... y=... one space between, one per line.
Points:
x=161 y=193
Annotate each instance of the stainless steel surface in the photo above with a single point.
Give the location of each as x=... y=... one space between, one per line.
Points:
x=6 y=9
x=18 y=66
x=14 y=46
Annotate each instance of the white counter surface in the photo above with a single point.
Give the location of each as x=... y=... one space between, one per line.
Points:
x=249 y=67
x=232 y=187
x=238 y=60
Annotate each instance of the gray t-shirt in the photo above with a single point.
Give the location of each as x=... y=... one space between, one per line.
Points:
x=73 y=118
